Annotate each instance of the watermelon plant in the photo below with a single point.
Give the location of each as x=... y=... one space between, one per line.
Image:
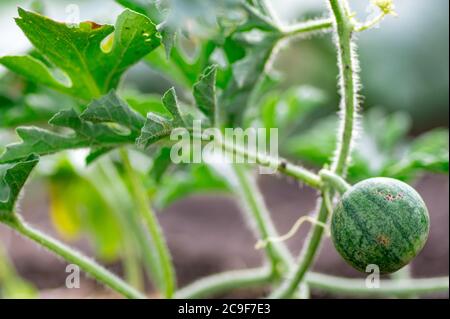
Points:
x=66 y=94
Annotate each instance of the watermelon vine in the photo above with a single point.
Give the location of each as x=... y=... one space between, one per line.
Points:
x=380 y=221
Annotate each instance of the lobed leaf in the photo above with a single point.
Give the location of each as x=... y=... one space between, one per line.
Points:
x=180 y=68
x=247 y=72
x=388 y=152
x=91 y=129
x=152 y=10
x=157 y=127
x=111 y=109
x=23 y=102
x=92 y=56
x=161 y=163
x=428 y=152
x=12 y=180
x=205 y=93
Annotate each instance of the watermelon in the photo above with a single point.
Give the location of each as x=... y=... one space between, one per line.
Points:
x=380 y=221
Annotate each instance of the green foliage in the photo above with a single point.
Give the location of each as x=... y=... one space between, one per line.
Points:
x=97 y=134
x=92 y=67
x=22 y=102
x=12 y=179
x=379 y=152
x=157 y=127
x=205 y=94
x=428 y=152
x=223 y=58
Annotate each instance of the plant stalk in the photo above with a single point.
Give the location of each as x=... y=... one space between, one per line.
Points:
x=278 y=164
x=70 y=255
x=387 y=288
x=335 y=181
x=248 y=191
x=349 y=88
x=132 y=247
x=308 y=27
x=153 y=226
x=112 y=186
x=225 y=282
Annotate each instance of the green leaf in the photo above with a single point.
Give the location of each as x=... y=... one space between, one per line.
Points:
x=96 y=153
x=154 y=12
x=111 y=109
x=158 y=127
x=396 y=127
x=24 y=103
x=388 y=152
x=246 y=74
x=260 y=5
x=34 y=70
x=161 y=162
x=198 y=179
x=169 y=37
x=316 y=144
x=145 y=103
x=12 y=180
x=180 y=68
x=290 y=110
x=149 y=8
x=176 y=70
x=91 y=55
x=170 y=101
x=428 y=152
x=205 y=93
x=257 y=17
x=98 y=134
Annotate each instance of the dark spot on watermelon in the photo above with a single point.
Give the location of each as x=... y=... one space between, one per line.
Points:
x=390 y=197
x=383 y=240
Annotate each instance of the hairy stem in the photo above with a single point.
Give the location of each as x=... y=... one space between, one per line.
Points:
x=154 y=229
x=370 y=24
x=114 y=199
x=278 y=164
x=249 y=278
x=335 y=181
x=349 y=103
x=250 y=195
x=70 y=255
x=308 y=27
x=225 y=282
x=112 y=186
x=267 y=8
x=388 y=288
x=348 y=66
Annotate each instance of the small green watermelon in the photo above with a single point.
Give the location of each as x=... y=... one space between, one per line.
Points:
x=380 y=221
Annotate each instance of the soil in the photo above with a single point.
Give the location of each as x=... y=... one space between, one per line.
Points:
x=208 y=235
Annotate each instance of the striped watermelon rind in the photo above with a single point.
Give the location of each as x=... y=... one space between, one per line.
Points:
x=380 y=221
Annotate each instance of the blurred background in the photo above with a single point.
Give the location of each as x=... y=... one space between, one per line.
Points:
x=405 y=76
